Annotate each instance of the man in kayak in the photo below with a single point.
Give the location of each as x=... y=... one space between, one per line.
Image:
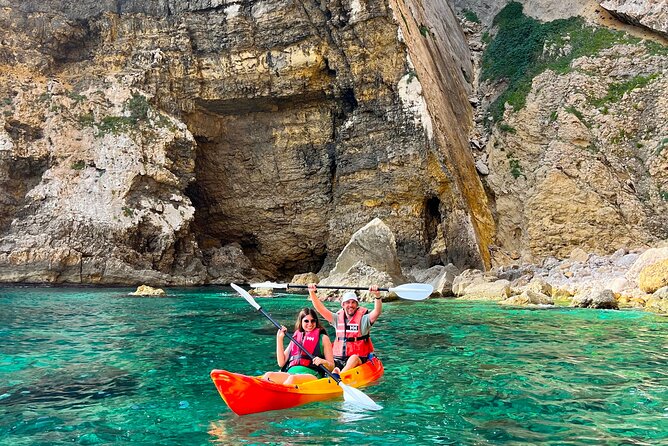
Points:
x=352 y=345
x=296 y=367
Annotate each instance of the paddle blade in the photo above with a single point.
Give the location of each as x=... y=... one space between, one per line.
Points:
x=413 y=291
x=268 y=285
x=245 y=295
x=358 y=398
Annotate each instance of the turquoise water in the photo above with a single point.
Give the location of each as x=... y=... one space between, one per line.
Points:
x=93 y=366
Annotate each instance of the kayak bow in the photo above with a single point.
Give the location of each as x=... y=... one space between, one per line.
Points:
x=250 y=394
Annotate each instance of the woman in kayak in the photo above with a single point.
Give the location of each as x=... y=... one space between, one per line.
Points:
x=296 y=367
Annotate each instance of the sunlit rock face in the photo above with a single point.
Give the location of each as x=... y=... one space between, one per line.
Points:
x=140 y=139
x=650 y=14
x=581 y=165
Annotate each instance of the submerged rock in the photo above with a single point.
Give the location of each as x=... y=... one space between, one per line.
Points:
x=262 y=292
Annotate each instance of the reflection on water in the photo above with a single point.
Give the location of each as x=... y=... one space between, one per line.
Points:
x=92 y=366
x=310 y=424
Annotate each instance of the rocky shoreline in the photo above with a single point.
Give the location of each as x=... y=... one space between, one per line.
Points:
x=636 y=279
x=625 y=279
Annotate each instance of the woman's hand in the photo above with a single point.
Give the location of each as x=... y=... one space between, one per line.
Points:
x=323 y=362
x=280 y=334
x=312 y=287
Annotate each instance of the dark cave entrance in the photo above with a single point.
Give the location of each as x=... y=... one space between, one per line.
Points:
x=435 y=244
x=261 y=178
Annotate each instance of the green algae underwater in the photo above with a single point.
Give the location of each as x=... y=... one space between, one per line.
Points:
x=94 y=366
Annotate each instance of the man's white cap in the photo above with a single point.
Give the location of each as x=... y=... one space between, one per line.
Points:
x=349 y=295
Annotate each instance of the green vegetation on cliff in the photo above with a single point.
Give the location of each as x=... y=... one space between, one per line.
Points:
x=524 y=47
x=136 y=108
x=617 y=90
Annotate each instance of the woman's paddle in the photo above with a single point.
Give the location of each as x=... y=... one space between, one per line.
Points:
x=409 y=291
x=350 y=394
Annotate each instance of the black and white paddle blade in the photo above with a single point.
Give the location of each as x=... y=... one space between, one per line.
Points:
x=358 y=398
x=413 y=291
x=245 y=295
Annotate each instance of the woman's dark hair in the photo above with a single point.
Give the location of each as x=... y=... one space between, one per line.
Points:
x=308 y=312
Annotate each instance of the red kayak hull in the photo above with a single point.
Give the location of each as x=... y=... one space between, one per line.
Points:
x=250 y=394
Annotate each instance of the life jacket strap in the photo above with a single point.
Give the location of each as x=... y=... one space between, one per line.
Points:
x=360 y=338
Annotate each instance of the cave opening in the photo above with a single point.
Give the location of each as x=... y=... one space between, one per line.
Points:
x=433 y=231
x=263 y=181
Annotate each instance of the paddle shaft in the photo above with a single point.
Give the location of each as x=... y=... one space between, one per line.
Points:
x=334 y=287
x=298 y=344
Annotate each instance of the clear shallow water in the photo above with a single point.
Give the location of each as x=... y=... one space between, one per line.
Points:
x=93 y=366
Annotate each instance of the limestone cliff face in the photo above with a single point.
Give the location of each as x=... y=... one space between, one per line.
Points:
x=581 y=163
x=574 y=174
x=186 y=142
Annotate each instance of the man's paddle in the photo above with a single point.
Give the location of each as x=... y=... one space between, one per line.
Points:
x=409 y=291
x=350 y=394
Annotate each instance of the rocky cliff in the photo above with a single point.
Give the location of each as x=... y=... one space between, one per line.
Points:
x=189 y=142
x=185 y=142
x=571 y=128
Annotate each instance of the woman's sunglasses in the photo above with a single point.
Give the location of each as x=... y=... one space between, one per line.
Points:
x=308 y=321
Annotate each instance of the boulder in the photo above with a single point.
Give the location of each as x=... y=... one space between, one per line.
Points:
x=514 y=273
x=373 y=245
x=528 y=297
x=539 y=286
x=359 y=275
x=654 y=276
x=604 y=299
x=145 y=290
x=661 y=293
x=658 y=302
x=467 y=278
x=619 y=284
x=440 y=277
x=631 y=301
x=652 y=255
x=648 y=14
x=497 y=290
x=561 y=293
x=305 y=279
x=579 y=255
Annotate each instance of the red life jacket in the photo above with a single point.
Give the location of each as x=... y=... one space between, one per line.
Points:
x=311 y=342
x=349 y=340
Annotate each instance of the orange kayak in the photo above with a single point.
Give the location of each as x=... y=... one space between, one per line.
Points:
x=250 y=394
